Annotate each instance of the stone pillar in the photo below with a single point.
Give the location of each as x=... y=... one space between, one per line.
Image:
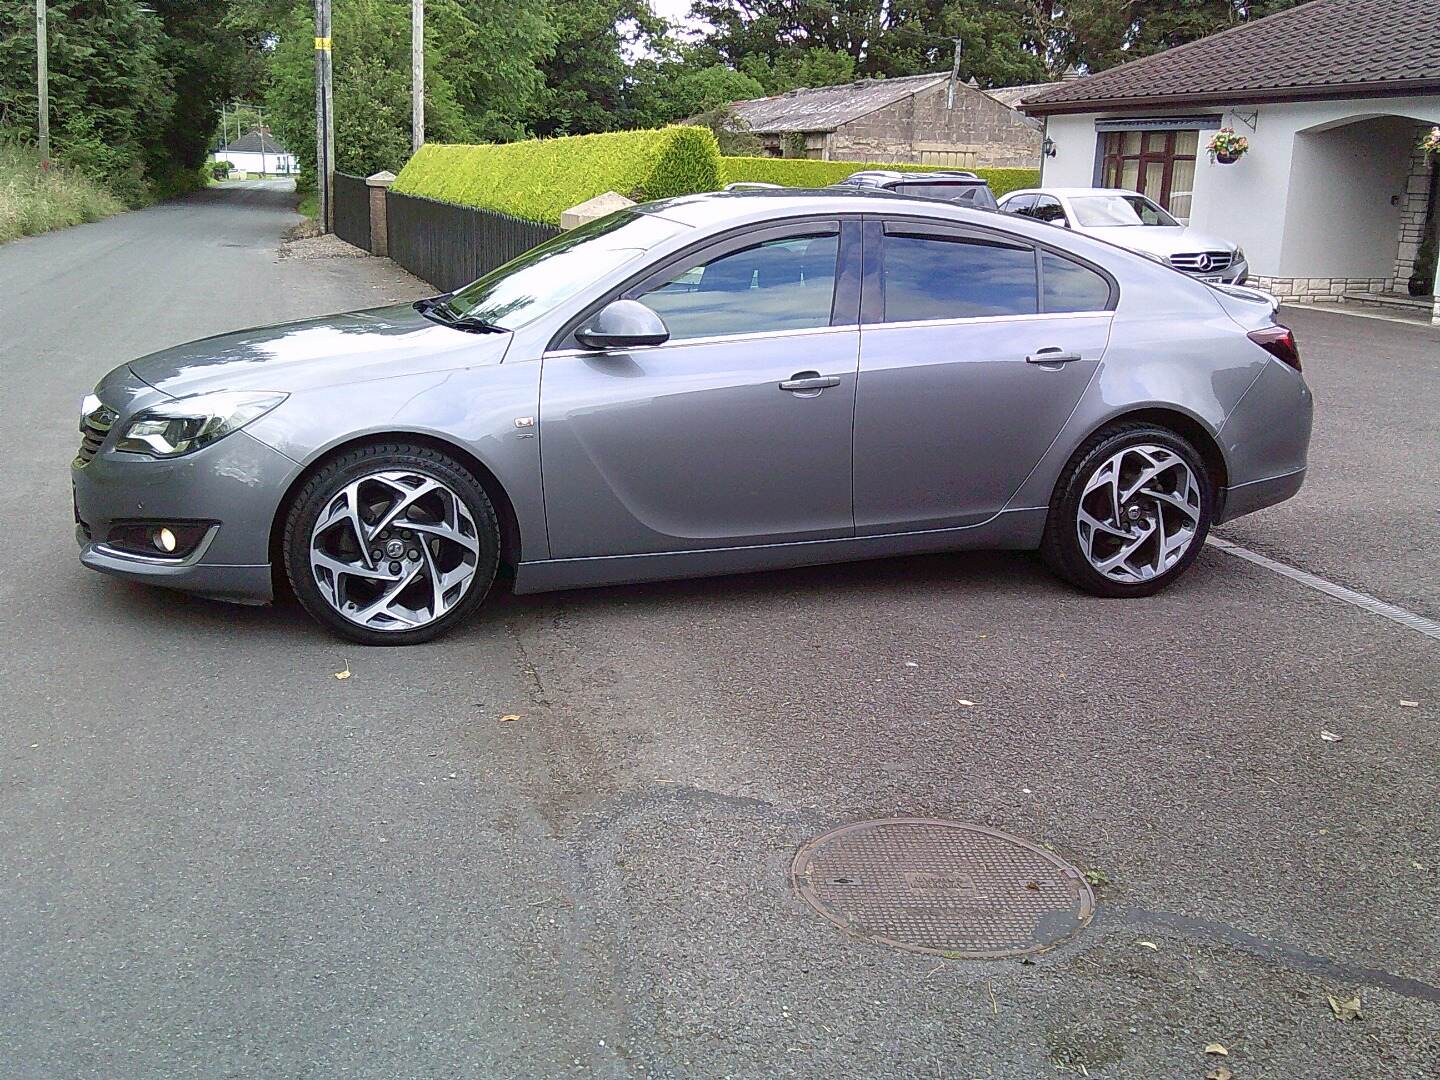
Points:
x=379 y=184
x=591 y=209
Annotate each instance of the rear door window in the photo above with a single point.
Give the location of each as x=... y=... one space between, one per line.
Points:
x=927 y=275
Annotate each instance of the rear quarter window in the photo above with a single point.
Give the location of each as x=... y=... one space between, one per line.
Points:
x=1069 y=286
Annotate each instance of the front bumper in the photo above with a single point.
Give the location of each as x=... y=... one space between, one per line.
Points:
x=236 y=483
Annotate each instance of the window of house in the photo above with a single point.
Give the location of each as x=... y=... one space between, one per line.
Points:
x=1160 y=164
x=956 y=277
x=777 y=285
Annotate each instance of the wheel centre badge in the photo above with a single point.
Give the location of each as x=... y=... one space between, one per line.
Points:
x=395 y=548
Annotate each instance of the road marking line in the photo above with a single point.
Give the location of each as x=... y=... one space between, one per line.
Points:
x=1408 y=619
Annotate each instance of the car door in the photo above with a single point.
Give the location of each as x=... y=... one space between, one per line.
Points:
x=735 y=431
x=976 y=345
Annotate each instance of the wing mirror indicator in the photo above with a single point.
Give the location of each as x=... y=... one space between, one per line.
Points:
x=623 y=324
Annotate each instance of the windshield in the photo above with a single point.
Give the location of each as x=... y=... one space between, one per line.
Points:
x=534 y=283
x=1105 y=211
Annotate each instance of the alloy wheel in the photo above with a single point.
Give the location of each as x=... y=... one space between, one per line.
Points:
x=1139 y=513
x=394 y=550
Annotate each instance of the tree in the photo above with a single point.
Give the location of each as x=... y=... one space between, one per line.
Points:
x=587 y=76
x=480 y=78
x=110 y=97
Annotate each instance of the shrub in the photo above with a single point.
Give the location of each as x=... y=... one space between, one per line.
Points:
x=32 y=201
x=220 y=169
x=539 y=178
x=809 y=172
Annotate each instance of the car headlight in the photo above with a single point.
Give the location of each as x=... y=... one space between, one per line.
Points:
x=1239 y=255
x=187 y=424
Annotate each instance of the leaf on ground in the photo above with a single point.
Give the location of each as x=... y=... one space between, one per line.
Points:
x=1219 y=1073
x=1217 y=1049
x=1097 y=877
x=1349 y=1009
x=967 y=704
x=1330 y=736
x=1416 y=864
x=1148 y=945
x=1033 y=886
x=1410 y=704
x=509 y=718
x=344 y=674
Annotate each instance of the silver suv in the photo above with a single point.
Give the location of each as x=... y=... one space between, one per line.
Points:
x=947 y=185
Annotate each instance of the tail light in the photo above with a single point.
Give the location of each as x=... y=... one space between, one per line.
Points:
x=1279 y=342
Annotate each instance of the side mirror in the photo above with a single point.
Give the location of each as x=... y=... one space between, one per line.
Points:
x=622 y=324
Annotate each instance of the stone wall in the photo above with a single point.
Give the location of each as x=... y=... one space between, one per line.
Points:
x=979 y=131
x=1412 y=213
x=1319 y=290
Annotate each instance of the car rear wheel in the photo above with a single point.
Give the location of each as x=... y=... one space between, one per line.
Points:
x=1130 y=513
x=391 y=544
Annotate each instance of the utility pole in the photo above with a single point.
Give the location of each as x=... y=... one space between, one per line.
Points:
x=324 y=118
x=42 y=83
x=954 y=75
x=417 y=74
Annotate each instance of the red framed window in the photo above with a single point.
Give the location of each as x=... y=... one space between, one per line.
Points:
x=1160 y=164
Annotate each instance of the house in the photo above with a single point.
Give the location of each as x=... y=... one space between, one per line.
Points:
x=922 y=119
x=1333 y=197
x=257 y=152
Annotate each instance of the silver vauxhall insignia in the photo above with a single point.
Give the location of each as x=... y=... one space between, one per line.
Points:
x=719 y=383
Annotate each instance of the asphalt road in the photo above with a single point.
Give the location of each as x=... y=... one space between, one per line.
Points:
x=217 y=860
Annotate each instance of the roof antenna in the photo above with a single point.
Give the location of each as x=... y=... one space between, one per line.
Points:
x=954 y=74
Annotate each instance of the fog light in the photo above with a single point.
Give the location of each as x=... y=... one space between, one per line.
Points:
x=165 y=540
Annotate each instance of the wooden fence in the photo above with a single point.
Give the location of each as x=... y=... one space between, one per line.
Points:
x=450 y=246
x=352 y=210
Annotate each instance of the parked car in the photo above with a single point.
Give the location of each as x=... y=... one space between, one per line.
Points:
x=683 y=389
x=948 y=185
x=1135 y=222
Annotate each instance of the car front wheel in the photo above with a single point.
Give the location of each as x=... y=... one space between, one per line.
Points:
x=1130 y=512
x=391 y=544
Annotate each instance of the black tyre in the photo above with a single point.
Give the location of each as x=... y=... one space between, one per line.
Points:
x=391 y=544
x=1130 y=512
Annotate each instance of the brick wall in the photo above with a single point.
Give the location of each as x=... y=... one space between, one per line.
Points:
x=978 y=131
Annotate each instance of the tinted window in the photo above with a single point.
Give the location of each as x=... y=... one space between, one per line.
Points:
x=778 y=285
x=931 y=277
x=1020 y=204
x=1047 y=209
x=966 y=194
x=1072 y=287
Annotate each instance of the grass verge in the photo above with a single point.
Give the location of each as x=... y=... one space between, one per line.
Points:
x=35 y=201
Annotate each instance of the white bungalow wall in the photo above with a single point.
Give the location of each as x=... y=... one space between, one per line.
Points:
x=1319 y=205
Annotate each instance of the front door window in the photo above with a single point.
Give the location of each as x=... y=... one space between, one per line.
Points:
x=1160 y=164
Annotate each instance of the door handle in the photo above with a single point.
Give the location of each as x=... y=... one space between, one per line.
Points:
x=809 y=380
x=1053 y=355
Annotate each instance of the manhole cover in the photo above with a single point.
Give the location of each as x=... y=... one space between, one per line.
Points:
x=940 y=887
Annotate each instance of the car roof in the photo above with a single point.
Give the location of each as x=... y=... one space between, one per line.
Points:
x=1072 y=191
x=743 y=206
x=915 y=174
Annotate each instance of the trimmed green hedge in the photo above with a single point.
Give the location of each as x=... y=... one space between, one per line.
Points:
x=539 y=178
x=809 y=172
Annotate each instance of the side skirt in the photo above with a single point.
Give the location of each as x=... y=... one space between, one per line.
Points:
x=1013 y=530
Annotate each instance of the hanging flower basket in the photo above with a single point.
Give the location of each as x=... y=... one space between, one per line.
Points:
x=1431 y=142
x=1226 y=147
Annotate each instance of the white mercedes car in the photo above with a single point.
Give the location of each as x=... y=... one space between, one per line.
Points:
x=1132 y=221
